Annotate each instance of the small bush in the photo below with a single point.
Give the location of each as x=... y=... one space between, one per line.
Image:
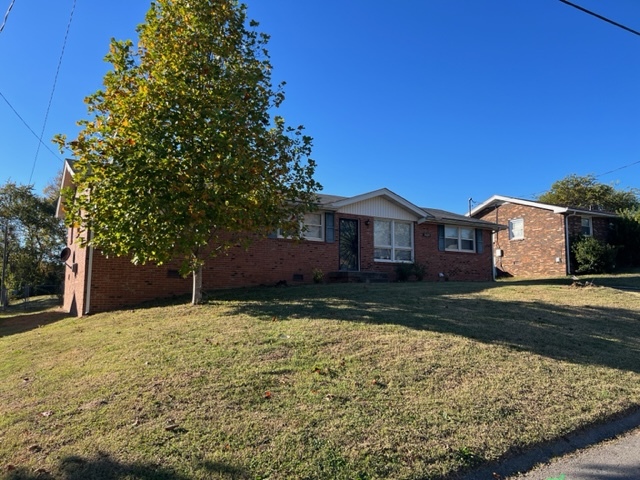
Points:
x=419 y=270
x=404 y=271
x=593 y=256
x=318 y=275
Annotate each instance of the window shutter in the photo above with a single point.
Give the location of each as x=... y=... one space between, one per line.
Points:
x=441 y=238
x=479 y=245
x=329 y=233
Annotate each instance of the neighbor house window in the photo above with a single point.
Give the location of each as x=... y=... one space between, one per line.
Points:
x=516 y=229
x=393 y=241
x=313 y=226
x=586 y=229
x=459 y=238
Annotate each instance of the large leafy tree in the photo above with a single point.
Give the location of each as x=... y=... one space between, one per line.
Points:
x=626 y=236
x=181 y=156
x=34 y=238
x=586 y=192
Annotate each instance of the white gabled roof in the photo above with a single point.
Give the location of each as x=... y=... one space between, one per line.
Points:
x=497 y=200
x=67 y=181
x=383 y=193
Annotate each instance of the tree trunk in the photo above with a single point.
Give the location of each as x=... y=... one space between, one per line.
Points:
x=196 y=298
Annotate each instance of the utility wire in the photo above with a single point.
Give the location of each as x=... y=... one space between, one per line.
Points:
x=535 y=195
x=6 y=15
x=53 y=90
x=619 y=25
x=619 y=168
x=29 y=128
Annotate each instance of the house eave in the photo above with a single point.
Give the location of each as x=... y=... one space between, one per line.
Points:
x=498 y=200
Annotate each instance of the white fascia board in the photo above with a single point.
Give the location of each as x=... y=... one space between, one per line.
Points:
x=67 y=181
x=591 y=213
x=500 y=199
x=387 y=194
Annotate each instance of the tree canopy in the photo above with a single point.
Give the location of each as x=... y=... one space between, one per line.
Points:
x=586 y=192
x=182 y=154
x=34 y=237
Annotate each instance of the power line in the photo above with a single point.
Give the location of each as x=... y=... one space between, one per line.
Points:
x=29 y=128
x=619 y=168
x=619 y=25
x=535 y=195
x=6 y=15
x=53 y=89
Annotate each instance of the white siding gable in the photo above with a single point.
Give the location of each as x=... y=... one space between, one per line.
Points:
x=378 y=207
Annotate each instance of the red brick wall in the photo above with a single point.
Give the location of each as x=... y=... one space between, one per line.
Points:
x=599 y=225
x=544 y=241
x=117 y=283
x=454 y=265
x=74 y=275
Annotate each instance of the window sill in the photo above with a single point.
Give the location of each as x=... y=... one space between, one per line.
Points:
x=380 y=260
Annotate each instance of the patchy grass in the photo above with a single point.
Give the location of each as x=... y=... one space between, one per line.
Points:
x=406 y=381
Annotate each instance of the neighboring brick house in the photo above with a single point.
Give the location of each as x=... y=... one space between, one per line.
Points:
x=368 y=234
x=537 y=242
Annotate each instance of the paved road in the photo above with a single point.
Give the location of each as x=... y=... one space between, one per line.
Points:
x=617 y=459
x=585 y=455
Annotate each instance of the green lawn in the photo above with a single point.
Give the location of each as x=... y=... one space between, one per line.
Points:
x=361 y=381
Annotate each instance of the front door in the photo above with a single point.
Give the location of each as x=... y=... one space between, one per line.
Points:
x=349 y=245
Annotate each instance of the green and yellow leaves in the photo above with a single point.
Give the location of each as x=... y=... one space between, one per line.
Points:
x=181 y=144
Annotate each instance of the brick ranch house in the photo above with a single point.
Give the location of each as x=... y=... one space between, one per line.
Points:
x=365 y=235
x=537 y=242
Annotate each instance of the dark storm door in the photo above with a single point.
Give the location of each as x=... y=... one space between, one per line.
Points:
x=349 y=245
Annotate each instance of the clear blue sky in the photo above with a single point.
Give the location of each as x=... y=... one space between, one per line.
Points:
x=437 y=100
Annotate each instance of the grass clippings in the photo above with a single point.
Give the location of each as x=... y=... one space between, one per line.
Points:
x=403 y=381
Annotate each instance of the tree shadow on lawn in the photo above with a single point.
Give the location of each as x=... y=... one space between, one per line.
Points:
x=103 y=467
x=629 y=280
x=23 y=322
x=585 y=334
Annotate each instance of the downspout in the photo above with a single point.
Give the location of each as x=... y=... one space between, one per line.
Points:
x=493 y=258
x=567 y=247
x=89 y=274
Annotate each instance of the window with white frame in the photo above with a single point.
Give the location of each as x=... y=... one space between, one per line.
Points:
x=313 y=226
x=586 y=226
x=459 y=238
x=392 y=240
x=516 y=229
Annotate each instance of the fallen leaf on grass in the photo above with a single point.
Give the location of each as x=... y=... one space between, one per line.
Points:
x=93 y=404
x=267 y=395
